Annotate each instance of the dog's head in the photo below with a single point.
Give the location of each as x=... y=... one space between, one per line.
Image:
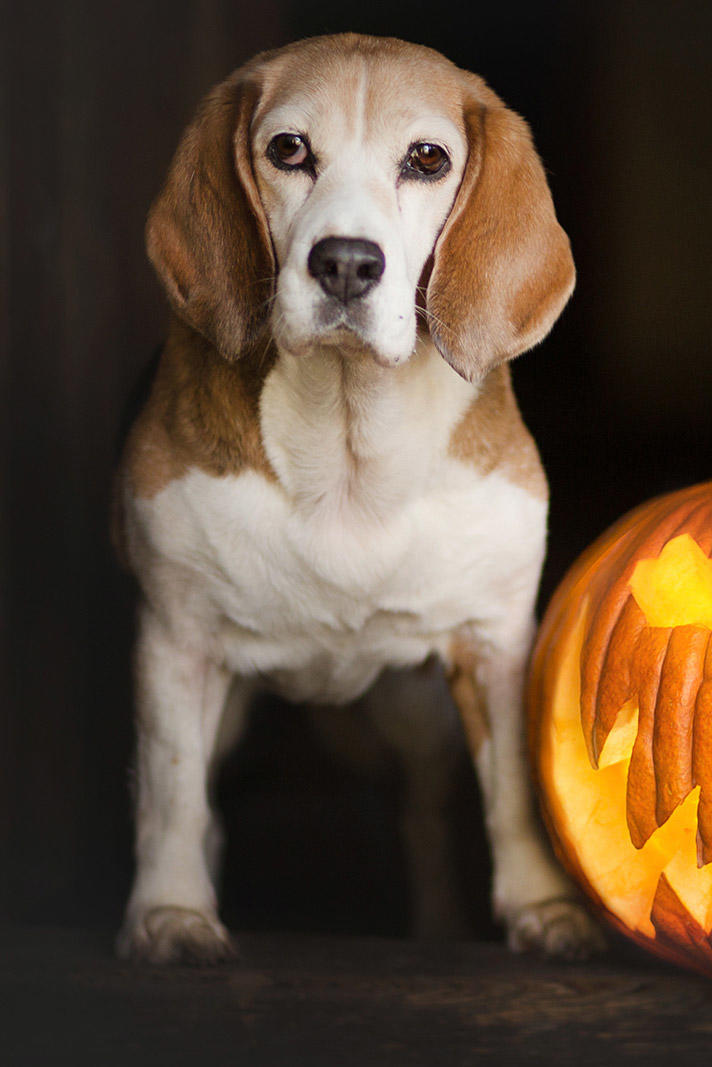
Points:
x=339 y=187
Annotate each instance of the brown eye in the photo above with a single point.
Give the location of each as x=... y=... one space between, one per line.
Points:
x=426 y=160
x=289 y=150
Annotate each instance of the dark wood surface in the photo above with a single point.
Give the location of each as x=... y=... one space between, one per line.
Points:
x=296 y=1000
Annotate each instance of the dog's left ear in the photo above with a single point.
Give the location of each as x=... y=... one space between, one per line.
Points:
x=502 y=267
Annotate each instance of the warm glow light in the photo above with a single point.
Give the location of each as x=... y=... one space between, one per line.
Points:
x=619 y=743
x=591 y=813
x=620 y=706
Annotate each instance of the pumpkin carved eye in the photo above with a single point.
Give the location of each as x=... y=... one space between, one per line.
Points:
x=425 y=160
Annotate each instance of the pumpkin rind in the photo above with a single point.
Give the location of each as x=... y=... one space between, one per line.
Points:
x=667 y=672
x=641 y=799
x=676 y=930
x=702 y=759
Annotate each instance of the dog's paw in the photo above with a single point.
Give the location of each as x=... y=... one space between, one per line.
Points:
x=558 y=928
x=173 y=935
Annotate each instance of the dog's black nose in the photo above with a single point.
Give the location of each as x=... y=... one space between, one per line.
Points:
x=346 y=267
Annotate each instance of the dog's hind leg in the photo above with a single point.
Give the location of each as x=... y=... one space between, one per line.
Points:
x=531 y=894
x=413 y=712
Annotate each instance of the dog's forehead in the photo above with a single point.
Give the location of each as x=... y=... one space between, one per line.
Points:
x=377 y=87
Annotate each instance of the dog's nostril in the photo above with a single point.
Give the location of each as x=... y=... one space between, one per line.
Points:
x=369 y=270
x=346 y=267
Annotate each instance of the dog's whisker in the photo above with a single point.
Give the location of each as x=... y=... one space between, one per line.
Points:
x=267 y=302
x=252 y=283
x=429 y=316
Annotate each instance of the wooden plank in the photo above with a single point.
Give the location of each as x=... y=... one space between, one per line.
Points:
x=316 y=1001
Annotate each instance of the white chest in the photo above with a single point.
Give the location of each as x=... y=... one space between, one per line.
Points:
x=372 y=547
x=318 y=608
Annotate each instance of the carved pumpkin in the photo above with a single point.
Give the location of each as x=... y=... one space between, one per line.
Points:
x=620 y=702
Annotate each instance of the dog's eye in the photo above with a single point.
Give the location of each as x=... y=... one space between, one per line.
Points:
x=289 y=151
x=425 y=160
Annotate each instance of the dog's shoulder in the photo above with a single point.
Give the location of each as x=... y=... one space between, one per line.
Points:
x=198 y=411
x=491 y=436
x=202 y=412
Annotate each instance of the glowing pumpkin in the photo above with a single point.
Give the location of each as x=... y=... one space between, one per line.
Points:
x=620 y=702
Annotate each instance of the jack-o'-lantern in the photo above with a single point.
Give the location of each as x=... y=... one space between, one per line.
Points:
x=620 y=701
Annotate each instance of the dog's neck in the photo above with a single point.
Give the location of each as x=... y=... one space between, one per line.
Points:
x=345 y=435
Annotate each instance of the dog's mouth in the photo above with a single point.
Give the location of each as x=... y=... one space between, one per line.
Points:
x=350 y=343
x=348 y=334
x=348 y=328
x=334 y=317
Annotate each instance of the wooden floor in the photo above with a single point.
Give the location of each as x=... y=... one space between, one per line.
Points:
x=295 y=1001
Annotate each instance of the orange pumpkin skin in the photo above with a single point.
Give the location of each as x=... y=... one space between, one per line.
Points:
x=620 y=724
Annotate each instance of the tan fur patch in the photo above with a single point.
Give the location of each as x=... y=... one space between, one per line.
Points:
x=397 y=67
x=203 y=412
x=491 y=435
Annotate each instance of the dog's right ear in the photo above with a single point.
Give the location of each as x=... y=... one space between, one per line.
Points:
x=207 y=234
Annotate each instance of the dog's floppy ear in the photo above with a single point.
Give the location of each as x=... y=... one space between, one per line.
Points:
x=502 y=266
x=207 y=235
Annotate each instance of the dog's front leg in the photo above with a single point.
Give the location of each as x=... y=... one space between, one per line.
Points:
x=530 y=893
x=171 y=914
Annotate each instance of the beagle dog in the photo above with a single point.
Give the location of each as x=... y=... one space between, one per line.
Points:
x=330 y=479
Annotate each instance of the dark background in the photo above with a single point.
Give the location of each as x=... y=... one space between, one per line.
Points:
x=94 y=96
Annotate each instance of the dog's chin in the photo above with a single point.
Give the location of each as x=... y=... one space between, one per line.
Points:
x=351 y=343
x=348 y=339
